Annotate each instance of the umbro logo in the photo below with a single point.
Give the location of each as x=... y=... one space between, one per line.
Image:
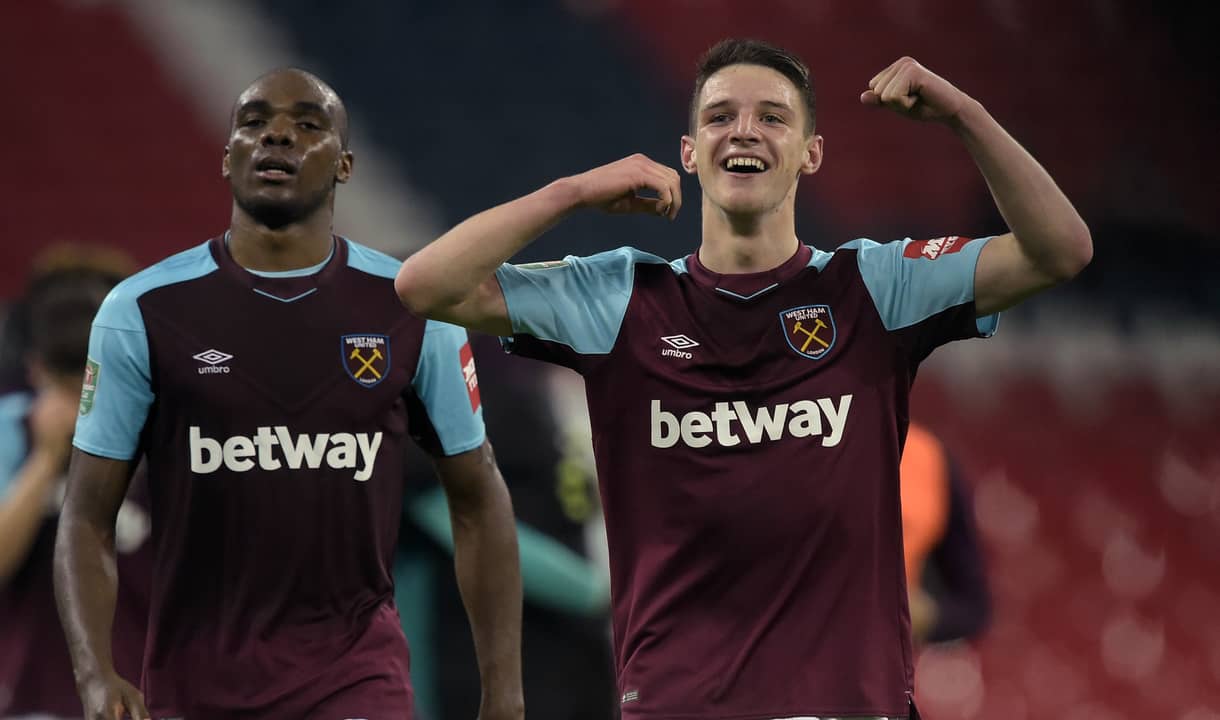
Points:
x=213 y=359
x=678 y=346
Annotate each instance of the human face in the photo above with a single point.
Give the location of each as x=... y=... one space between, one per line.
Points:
x=750 y=145
x=285 y=150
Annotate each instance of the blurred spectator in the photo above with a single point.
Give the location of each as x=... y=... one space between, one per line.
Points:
x=60 y=264
x=46 y=342
x=945 y=574
x=565 y=631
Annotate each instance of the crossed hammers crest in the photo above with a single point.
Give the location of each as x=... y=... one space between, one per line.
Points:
x=366 y=364
x=811 y=335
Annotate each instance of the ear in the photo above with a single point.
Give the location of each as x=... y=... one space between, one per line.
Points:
x=343 y=172
x=688 y=155
x=225 y=170
x=813 y=156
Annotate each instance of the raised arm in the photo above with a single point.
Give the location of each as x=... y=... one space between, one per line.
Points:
x=488 y=575
x=453 y=279
x=86 y=583
x=1049 y=241
x=23 y=505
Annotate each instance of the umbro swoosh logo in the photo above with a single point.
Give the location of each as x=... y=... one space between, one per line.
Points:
x=213 y=357
x=213 y=360
x=680 y=342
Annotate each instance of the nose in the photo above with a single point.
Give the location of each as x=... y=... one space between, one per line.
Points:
x=279 y=132
x=745 y=129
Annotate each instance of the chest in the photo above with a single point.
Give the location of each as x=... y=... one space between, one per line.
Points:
x=811 y=338
x=235 y=350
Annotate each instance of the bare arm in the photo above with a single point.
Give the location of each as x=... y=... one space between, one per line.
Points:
x=488 y=574
x=86 y=583
x=22 y=511
x=453 y=279
x=1049 y=241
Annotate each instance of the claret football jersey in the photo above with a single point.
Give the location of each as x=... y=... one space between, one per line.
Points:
x=747 y=431
x=273 y=411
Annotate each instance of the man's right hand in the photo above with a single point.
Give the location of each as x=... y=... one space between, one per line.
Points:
x=616 y=187
x=110 y=697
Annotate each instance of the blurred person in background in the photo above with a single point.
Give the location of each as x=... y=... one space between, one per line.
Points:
x=61 y=262
x=565 y=626
x=749 y=402
x=946 y=578
x=49 y=330
x=271 y=380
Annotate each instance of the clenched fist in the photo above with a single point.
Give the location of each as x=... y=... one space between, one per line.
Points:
x=910 y=89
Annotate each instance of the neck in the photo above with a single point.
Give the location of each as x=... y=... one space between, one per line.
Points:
x=297 y=245
x=747 y=243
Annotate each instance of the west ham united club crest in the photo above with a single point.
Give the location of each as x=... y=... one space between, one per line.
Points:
x=809 y=330
x=366 y=357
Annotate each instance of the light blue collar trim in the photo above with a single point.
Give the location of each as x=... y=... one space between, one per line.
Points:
x=307 y=293
x=730 y=293
x=299 y=272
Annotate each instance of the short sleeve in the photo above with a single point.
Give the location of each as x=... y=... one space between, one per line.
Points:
x=117 y=392
x=14 y=438
x=448 y=415
x=578 y=301
x=925 y=288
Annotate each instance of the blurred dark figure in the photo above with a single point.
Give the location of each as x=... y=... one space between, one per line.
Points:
x=58 y=265
x=946 y=577
x=565 y=631
x=45 y=346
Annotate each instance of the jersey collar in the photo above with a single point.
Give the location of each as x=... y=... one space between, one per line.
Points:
x=280 y=288
x=748 y=286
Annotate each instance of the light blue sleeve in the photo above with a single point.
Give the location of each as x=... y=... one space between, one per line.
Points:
x=116 y=399
x=14 y=440
x=910 y=281
x=578 y=301
x=448 y=386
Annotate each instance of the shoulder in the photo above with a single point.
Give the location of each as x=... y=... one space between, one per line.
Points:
x=626 y=256
x=612 y=271
x=120 y=307
x=374 y=262
x=870 y=251
x=624 y=264
x=623 y=259
x=867 y=248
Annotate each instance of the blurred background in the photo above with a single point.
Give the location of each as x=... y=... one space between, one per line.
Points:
x=1087 y=432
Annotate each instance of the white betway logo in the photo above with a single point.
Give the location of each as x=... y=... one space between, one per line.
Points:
x=800 y=419
x=341 y=451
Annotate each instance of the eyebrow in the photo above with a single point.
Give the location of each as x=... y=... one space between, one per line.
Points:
x=303 y=107
x=727 y=102
x=253 y=106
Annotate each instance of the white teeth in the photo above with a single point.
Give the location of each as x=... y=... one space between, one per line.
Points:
x=742 y=162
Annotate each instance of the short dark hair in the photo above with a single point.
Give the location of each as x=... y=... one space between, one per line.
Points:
x=744 y=51
x=61 y=310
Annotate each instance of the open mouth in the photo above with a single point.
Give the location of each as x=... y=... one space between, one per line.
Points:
x=744 y=165
x=274 y=169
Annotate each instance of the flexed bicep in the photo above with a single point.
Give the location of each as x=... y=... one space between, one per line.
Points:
x=1005 y=275
x=483 y=310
